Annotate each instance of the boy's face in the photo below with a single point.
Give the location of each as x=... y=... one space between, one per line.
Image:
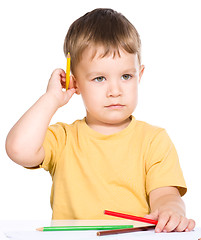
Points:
x=108 y=85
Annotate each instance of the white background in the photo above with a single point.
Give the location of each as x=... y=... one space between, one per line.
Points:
x=31 y=47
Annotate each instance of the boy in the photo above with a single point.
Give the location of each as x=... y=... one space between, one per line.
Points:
x=108 y=160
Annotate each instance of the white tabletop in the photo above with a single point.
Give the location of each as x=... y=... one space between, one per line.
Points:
x=26 y=230
x=32 y=225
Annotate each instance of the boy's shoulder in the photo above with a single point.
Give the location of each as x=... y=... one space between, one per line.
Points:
x=62 y=126
x=148 y=127
x=74 y=124
x=147 y=130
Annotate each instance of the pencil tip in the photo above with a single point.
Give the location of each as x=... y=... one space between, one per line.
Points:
x=39 y=229
x=68 y=55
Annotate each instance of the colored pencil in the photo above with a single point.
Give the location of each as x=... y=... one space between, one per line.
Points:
x=118 y=231
x=68 y=71
x=131 y=217
x=82 y=228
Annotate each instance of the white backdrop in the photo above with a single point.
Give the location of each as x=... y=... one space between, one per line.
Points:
x=31 y=47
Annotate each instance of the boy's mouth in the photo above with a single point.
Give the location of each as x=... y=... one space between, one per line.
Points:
x=115 y=106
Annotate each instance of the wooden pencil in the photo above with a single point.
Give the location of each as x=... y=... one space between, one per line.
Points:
x=82 y=228
x=118 y=231
x=68 y=70
x=131 y=217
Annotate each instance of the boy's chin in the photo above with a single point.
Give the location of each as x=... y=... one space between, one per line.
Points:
x=117 y=120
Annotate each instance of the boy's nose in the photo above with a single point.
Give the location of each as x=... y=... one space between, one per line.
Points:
x=114 y=89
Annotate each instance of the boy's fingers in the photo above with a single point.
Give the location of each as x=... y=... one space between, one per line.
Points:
x=179 y=224
x=59 y=71
x=182 y=225
x=63 y=83
x=69 y=94
x=162 y=221
x=71 y=85
x=174 y=222
x=191 y=225
x=57 y=74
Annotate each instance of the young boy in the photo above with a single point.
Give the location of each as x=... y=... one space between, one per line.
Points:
x=108 y=160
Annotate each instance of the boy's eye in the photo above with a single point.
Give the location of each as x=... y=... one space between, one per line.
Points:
x=126 y=76
x=99 y=79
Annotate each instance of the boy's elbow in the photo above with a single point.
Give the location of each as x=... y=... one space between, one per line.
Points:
x=18 y=153
x=13 y=150
x=10 y=148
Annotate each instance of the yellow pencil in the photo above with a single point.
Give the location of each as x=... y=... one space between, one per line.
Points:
x=68 y=71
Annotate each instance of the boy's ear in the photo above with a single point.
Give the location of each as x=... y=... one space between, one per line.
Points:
x=75 y=85
x=142 y=67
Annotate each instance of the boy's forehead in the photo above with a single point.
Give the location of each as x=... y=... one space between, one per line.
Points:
x=99 y=52
x=94 y=59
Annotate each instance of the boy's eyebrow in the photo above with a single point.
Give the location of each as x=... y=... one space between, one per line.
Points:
x=134 y=70
x=90 y=74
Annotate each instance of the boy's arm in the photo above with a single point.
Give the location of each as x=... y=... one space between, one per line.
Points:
x=168 y=209
x=24 y=141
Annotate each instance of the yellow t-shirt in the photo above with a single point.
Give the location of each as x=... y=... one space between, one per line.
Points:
x=92 y=172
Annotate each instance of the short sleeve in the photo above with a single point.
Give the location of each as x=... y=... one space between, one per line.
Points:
x=162 y=164
x=53 y=145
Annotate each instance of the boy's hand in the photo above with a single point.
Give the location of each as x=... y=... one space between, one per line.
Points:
x=169 y=221
x=56 y=83
x=169 y=210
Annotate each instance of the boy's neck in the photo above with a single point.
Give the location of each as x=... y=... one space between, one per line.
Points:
x=106 y=128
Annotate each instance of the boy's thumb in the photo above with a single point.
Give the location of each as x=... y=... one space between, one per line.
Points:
x=69 y=93
x=152 y=215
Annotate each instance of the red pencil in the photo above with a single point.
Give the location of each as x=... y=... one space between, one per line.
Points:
x=131 y=217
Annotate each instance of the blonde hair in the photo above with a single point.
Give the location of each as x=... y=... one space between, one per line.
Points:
x=101 y=27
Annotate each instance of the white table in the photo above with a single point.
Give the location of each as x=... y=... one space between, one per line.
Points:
x=26 y=230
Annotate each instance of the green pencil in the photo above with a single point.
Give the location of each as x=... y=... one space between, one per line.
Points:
x=82 y=228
